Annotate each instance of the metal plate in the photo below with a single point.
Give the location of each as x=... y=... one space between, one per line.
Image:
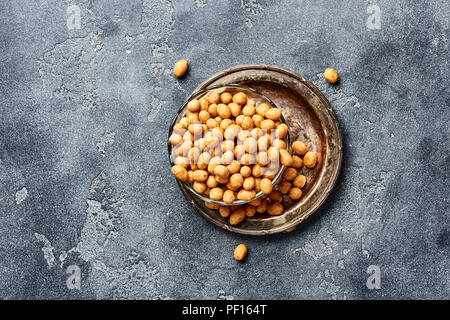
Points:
x=310 y=119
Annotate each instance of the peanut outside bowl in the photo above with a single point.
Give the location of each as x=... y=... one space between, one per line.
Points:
x=310 y=118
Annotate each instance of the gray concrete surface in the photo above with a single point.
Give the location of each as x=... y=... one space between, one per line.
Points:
x=84 y=179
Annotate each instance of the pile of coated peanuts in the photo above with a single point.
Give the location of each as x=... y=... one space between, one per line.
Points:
x=229 y=149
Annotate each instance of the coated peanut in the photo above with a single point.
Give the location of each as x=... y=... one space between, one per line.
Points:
x=180 y=68
x=240 y=252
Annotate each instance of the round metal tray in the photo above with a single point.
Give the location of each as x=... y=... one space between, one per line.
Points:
x=310 y=119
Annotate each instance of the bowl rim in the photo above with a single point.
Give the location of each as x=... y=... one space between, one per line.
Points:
x=335 y=174
x=183 y=107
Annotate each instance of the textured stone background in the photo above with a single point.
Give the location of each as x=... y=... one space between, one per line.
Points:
x=84 y=178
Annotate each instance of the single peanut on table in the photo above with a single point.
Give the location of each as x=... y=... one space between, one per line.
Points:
x=180 y=68
x=240 y=252
x=330 y=75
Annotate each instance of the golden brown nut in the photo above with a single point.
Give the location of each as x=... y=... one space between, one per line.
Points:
x=273 y=114
x=216 y=194
x=257 y=119
x=228 y=197
x=204 y=116
x=251 y=102
x=211 y=123
x=195 y=129
x=203 y=160
x=262 y=109
x=250 y=145
x=284 y=187
x=248 y=159
x=281 y=131
x=183 y=122
x=246 y=171
x=263 y=206
x=228 y=145
x=285 y=158
x=239 y=151
x=266 y=186
x=224 y=211
x=310 y=160
x=200 y=175
x=199 y=187
x=267 y=124
x=234 y=167
x=240 y=252
x=180 y=172
x=246 y=195
x=276 y=195
x=215 y=161
x=271 y=170
x=239 y=119
x=275 y=209
x=299 y=148
x=297 y=162
x=256 y=133
x=236 y=180
x=256 y=171
x=235 y=109
x=226 y=97
x=228 y=158
x=180 y=68
x=240 y=98
x=279 y=144
x=212 y=109
x=204 y=104
x=221 y=180
x=248 y=110
x=249 y=183
x=221 y=171
x=223 y=111
x=256 y=202
x=262 y=158
x=175 y=139
x=243 y=134
x=263 y=143
x=179 y=127
x=273 y=154
x=182 y=161
x=330 y=75
x=237 y=216
x=299 y=181
x=211 y=182
x=192 y=118
x=295 y=193
x=247 y=123
x=250 y=210
x=211 y=205
x=214 y=97
x=290 y=174
x=193 y=105
x=258 y=184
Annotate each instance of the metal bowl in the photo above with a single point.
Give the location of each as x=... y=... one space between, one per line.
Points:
x=232 y=88
x=310 y=118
